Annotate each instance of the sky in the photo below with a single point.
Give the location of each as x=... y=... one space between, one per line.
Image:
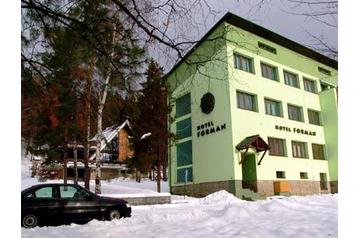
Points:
x=280 y=16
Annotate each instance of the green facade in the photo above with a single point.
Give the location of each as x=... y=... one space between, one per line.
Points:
x=231 y=63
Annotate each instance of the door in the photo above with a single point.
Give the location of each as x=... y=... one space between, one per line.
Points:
x=249 y=176
x=77 y=204
x=42 y=202
x=323 y=181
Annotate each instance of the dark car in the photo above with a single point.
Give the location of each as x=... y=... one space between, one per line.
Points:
x=54 y=204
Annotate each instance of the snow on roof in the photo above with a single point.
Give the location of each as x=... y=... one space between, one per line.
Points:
x=108 y=134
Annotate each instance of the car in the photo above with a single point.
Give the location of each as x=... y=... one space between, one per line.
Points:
x=55 y=204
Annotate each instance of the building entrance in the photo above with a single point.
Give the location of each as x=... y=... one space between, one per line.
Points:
x=249 y=176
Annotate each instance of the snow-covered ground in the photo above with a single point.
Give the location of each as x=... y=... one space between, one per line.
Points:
x=218 y=215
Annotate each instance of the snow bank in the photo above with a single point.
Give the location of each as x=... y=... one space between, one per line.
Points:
x=218 y=215
x=221 y=196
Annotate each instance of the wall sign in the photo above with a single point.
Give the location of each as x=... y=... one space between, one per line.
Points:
x=209 y=128
x=207 y=103
x=295 y=130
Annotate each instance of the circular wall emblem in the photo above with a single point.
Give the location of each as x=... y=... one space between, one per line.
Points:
x=207 y=103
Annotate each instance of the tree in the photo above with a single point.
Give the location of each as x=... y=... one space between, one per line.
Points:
x=154 y=119
x=87 y=37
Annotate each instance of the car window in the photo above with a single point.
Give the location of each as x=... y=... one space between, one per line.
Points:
x=45 y=192
x=70 y=192
x=29 y=195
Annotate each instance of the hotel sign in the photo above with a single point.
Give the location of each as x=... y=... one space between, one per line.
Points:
x=209 y=128
x=295 y=130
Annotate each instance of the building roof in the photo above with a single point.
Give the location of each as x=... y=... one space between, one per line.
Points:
x=264 y=33
x=109 y=134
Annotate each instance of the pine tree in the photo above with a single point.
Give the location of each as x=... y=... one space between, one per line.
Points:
x=83 y=60
x=154 y=116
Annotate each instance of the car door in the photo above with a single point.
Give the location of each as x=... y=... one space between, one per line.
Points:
x=77 y=204
x=42 y=202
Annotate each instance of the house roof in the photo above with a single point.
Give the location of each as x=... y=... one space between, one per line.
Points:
x=109 y=134
x=254 y=141
x=265 y=33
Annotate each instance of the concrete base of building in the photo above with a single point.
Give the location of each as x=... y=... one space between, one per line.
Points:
x=334 y=186
x=202 y=189
x=263 y=188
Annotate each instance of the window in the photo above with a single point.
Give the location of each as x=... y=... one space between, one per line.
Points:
x=291 y=79
x=299 y=149
x=269 y=72
x=46 y=192
x=309 y=85
x=30 y=195
x=243 y=63
x=267 y=48
x=183 y=128
x=280 y=174
x=183 y=105
x=277 y=146
x=183 y=173
x=273 y=107
x=295 y=113
x=303 y=175
x=184 y=153
x=246 y=101
x=318 y=152
x=324 y=87
x=324 y=71
x=313 y=117
x=71 y=192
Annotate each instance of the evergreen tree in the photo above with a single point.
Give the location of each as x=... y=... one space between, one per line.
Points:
x=83 y=59
x=153 y=119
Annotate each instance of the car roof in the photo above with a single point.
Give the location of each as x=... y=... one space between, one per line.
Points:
x=50 y=185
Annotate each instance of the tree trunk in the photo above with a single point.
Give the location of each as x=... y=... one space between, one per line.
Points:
x=87 y=177
x=65 y=166
x=75 y=181
x=150 y=174
x=158 y=170
x=99 y=125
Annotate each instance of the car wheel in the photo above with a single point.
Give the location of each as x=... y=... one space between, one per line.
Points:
x=29 y=221
x=114 y=214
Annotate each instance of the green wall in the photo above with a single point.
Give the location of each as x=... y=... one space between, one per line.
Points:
x=329 y=107
x=214 y=156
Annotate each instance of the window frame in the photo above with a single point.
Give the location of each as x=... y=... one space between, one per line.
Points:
x=279 y=103
x=176 y=105
x=266 y=47
x=304 y=150
x=249 y=59
x=307 y=89
x=284 y=150
x=283 y=174
x=305 y=175
x=286 y=72
x=309 y=111
x=184 y=161
x=254 y=103
x=322 y=152
x=324 y=71
x=183 y=168
x=186 y=130
x=300 y=109
x=275 y=71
